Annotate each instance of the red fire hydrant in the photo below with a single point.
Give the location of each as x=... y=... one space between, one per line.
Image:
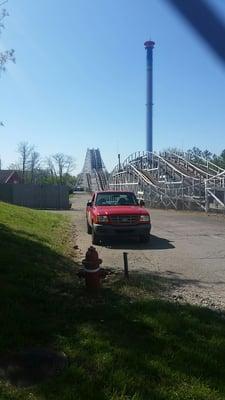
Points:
x=92 y=270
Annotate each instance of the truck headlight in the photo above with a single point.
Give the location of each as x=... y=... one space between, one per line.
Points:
x=102 y=219
x=144 y=218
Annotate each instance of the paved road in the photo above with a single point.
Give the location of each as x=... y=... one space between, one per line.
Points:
x=186 y=249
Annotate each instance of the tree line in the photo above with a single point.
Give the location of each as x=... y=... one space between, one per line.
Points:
x=54 y=169
x=195 y=154
x=219 y=160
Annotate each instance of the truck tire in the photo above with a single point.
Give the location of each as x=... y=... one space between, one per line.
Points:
x=95 y=238
x=89 y=230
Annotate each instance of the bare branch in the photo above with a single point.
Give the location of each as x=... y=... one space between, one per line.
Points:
x=63 y=163
x=34 y=164
x=8 y=55
x=24 y=150
x=5 y=56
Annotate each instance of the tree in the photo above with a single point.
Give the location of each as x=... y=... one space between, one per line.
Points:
x=207 y=154
x=7 y=55
x=4 y=57
x=194 y=154
x=56 y=170
x=222 y=155
x=169 y=150
x=34 y=164
x=24 y=150
x=14 y=166
x=51 y=170
x=62 y=164
x=220 y=160
x=70 y=180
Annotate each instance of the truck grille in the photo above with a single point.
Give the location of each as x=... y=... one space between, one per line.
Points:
x=124 y=219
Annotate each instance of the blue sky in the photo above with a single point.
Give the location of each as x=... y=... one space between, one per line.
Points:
x=79 y=79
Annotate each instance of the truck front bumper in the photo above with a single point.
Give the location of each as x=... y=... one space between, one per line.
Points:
x=106 y=230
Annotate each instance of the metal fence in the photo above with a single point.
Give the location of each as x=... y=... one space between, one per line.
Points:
x=36 y=196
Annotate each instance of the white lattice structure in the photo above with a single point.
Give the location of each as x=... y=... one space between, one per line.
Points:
x=94 y=175
x=172 y=180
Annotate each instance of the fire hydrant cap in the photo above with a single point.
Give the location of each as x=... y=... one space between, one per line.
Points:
x=91 y=260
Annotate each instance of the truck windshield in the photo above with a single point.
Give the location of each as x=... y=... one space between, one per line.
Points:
x=116 y=199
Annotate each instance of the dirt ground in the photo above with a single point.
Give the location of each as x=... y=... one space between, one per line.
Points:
x=186 y=249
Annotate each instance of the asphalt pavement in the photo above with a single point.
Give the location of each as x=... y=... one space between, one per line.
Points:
x=186 y=250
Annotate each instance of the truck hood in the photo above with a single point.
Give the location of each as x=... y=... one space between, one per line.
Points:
x=121 y=210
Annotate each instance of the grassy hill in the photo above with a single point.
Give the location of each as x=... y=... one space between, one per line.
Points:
x=33 y=258
x=123 y=343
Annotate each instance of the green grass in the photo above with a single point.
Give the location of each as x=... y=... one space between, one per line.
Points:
x=123 y=343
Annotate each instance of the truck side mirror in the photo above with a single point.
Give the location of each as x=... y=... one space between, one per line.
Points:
x=89 y=204
x=142 y=203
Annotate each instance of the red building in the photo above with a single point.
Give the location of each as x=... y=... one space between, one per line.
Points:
x=9 y=176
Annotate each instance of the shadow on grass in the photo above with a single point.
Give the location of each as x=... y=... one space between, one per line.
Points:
x=158 y=283
x=155 y=243
x=121 y=344
x=32 y=281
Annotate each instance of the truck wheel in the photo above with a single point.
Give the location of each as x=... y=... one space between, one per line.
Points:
x=89 y=230
x=144 y=238
x=95 y=238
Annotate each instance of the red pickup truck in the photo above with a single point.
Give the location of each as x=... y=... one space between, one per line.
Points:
x=117 y=213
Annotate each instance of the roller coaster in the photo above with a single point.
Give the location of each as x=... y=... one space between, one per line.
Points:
x=166 y=180
x=94 y=175
x=171 y=180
